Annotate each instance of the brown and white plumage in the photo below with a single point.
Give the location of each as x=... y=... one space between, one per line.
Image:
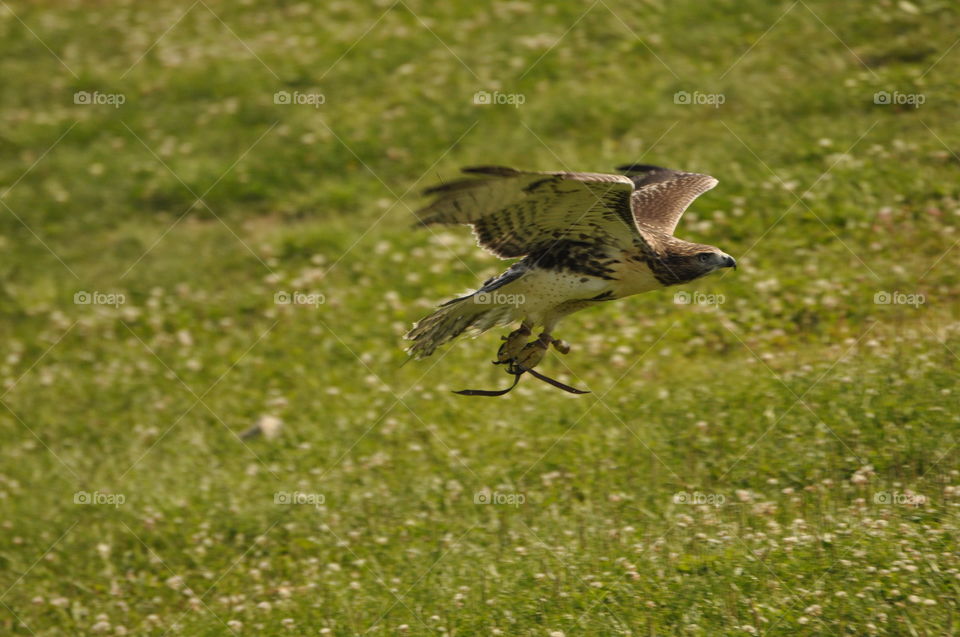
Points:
x=583 y=238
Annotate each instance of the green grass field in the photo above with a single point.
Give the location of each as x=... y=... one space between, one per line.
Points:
x=779 y=460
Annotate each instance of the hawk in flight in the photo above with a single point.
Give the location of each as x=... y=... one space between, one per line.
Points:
x=582 y=239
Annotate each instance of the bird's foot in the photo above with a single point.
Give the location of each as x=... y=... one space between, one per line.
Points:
x=560 y=345
x=532 y=353
x=513 y=345
x=521 y=358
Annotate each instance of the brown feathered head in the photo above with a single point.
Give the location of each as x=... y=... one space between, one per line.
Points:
x=674 y=261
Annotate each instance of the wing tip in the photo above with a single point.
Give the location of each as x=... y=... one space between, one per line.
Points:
x=497 y=171
x=456 y=184
x=420 y=223
x=447 y=187
x=432 y=190
x=644 y=174
x=639 y=169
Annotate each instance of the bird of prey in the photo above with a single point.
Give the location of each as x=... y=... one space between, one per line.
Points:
x=582 y=239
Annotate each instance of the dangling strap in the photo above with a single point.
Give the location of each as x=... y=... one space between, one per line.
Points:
x=516 y=379
x=490 y=392
x=556 y=383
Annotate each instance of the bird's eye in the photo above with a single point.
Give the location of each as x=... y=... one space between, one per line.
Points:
x=703 y=257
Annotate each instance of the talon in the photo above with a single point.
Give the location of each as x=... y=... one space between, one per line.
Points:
x=532 y=353
x=512 y=345
x=520 y=360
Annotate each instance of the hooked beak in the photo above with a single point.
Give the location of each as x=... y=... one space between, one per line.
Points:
x=728 y=262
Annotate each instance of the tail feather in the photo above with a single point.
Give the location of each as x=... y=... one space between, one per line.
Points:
x=453 y=319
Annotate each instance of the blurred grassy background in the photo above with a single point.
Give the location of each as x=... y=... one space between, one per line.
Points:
x=819 y=424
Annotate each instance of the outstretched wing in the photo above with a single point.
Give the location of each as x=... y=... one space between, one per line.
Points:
x=662 y=195
x=515 y=213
